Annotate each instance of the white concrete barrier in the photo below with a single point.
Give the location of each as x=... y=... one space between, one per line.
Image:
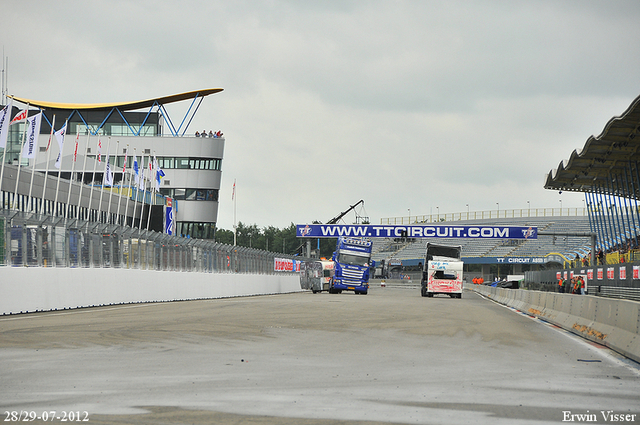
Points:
x=611 y=322
x=25 y=289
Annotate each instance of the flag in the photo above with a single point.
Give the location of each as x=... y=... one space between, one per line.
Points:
x=159 y=172
x=75 y=153
x=51 y=134
x=20 y=117
x=142 y=185
x=124 y=167
x=108 y=175
x=99 y=150
x=136 y=171
x=150 y=172
x=60 y=138
x=5 y=117
x=233 y=193
x=33 y=130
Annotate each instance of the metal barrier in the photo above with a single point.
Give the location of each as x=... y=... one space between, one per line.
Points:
x=488 y=214
x=37 y=240
x=618 y=292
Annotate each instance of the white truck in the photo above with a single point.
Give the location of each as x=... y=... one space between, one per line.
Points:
x=442 y=271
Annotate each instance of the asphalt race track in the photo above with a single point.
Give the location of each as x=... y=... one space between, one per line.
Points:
x=387 y=357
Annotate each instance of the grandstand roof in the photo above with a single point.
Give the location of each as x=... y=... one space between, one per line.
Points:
x=123 y=106
x=602 y=156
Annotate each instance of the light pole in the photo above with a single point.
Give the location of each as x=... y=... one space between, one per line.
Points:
x=467 y=211
x=529 y=208
x=498 y=204
x=409 y=209
x=438 y=209
x=560 y=206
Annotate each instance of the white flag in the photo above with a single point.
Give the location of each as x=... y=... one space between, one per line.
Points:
x=60 y=138
x=5 y=117
x=33 y=130
x=108 y=175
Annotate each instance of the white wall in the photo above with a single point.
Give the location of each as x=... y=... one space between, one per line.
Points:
x=24 y=289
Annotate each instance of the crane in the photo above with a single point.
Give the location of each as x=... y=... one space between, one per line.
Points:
x=335 y=219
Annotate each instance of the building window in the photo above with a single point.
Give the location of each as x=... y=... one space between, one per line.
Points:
x=191 y=194
x=167 y=163
x=196 y=229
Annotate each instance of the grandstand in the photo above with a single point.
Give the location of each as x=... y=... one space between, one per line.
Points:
x=412 y=251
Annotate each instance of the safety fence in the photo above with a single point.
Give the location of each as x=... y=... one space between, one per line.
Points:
x=36 y=240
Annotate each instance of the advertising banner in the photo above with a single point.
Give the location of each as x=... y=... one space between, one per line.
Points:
x=611 y=273
x=622 y=271
x=415 y=231
x=286 y=265
x=168 y=217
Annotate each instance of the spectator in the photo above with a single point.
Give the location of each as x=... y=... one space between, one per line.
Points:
x=210 y=133
x=197 y=134
x=561 y=283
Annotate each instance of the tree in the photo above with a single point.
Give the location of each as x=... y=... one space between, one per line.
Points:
x=273 y=239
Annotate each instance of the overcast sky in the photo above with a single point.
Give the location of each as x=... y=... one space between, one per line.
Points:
x=409 y=105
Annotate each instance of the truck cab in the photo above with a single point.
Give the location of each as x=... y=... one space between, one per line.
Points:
x=442 y=271
x=351 y=265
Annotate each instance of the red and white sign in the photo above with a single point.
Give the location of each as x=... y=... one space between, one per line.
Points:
x=611 y=273
x=286 y=265
x=623 y=272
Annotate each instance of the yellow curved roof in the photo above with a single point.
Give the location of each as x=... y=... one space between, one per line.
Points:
x=123 y=106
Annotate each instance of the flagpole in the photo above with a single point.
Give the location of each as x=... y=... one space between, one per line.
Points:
x=104 y=176
x=46 y=172
x=24 y=137
x=115 y=161
x=152 y=188
x=129 y=194
x=6 y=122
x=143 y=183
x=136 y=182
x=73 y=169
x=84 y=169
x=93 y=177
x=124 y=177
x=235 y=200
x=55 y=202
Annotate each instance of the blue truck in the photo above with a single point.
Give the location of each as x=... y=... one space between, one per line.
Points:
x=351 y=265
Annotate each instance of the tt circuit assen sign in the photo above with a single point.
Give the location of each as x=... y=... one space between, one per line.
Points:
x=415 y=231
